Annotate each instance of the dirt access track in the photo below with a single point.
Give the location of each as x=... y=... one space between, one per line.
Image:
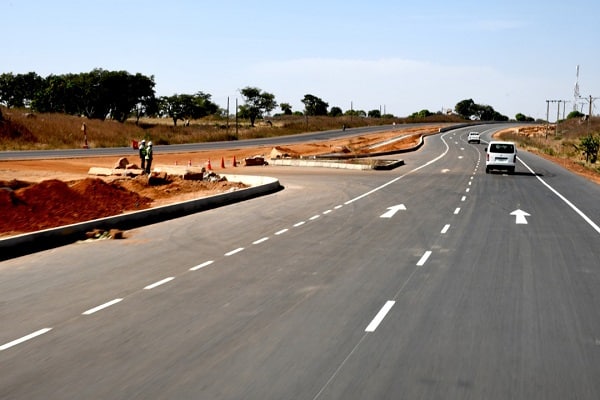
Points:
x=41 y=194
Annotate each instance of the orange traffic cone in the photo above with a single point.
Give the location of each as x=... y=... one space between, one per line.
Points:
x=234 y=162
x=222 y=162
x=209 y=167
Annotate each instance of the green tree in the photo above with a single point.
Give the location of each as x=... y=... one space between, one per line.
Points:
x=335 y=112
x=575 y=114
x=257 y=103
x=19 y=90
x=465 y=108
x=374 y=114
x=314 y=106
x=421 y=114
x=590 y=145
x=286 y=108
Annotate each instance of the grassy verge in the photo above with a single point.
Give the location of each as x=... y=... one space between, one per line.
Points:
x=562 y=144
x=23 y=130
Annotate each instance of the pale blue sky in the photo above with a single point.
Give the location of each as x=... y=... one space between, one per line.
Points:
x=398 y=56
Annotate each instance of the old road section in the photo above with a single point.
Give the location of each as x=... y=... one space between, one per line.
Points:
x=434 y=280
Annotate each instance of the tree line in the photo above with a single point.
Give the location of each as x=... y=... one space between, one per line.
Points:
x=119 y=95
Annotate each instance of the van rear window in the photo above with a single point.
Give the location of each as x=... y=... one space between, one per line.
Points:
x=502 y=148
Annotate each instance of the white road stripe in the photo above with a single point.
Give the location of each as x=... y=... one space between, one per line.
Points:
x=424 y=258
x=445 y=229
x=565 y=200
x=162 y=282
x=24 y=338
x=299 y=224
x=457 y=210
x=463 y=198
x=232 y=252
x=281 y=231
x=380 y=316
x=314 y=217
x=259 y=241
x=204 y=264
x=101 y=307
x=327 y=212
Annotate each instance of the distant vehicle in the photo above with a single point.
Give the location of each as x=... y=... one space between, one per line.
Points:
x=474 y=137
x=500 y=156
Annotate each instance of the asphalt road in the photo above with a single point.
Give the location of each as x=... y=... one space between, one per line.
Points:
x=191 y=147
x=421 y=282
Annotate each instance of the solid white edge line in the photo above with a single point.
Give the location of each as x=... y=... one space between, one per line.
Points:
x=424 y=258
x=204 y=264
x=380 y=316
x=232 y=252
x=563 y=198
x=161 y=282
x=101 y=307
x=24 y=338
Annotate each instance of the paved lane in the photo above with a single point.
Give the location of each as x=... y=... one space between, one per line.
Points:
x=310 y=293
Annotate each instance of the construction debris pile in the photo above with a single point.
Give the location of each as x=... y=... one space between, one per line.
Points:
x=28 y=207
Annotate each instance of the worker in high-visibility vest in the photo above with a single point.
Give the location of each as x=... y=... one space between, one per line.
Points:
x=142 y=148
x=148 y=157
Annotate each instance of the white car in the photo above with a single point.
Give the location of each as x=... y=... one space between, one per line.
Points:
x=474 y=137
x=500 y=156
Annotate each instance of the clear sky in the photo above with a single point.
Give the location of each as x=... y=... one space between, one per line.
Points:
x=397 y=56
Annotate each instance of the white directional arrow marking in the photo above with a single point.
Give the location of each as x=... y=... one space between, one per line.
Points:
x=520 y=214
x=393 y=210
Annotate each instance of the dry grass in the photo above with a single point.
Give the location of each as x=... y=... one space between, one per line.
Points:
x=23 y=130
x=561 y=145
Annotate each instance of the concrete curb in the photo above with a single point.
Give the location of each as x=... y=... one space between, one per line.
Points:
x=27 y=243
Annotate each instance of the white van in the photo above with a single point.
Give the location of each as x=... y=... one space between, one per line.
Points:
x=501 y=156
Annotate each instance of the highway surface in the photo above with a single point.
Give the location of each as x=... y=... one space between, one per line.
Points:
x=431 y=281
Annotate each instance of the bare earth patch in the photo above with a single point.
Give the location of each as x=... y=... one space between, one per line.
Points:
x=41 y=194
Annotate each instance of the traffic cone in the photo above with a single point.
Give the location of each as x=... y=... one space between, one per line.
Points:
x=234 y=162
x=222 y=162
x=209 y=167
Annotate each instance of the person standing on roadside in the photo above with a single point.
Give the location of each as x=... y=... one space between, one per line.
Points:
x=148 y=157
x=142 y=149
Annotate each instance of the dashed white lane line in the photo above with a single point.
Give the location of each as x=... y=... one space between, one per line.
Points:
x=314 y=217
x=327 y=212
x=424 y=258
x=232 y=252
x=281 y=231
x=261 y=240
x=463 y=198
x=204 y=264
x=380 y=316
x=161 y=282
x=445 y=229
x=338 y=207
x=468 y=190
x=102 y=306
x=457 y=210
x=299 y=224
x=24 y=338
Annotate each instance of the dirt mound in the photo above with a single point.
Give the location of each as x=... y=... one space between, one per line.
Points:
x=53 y=203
